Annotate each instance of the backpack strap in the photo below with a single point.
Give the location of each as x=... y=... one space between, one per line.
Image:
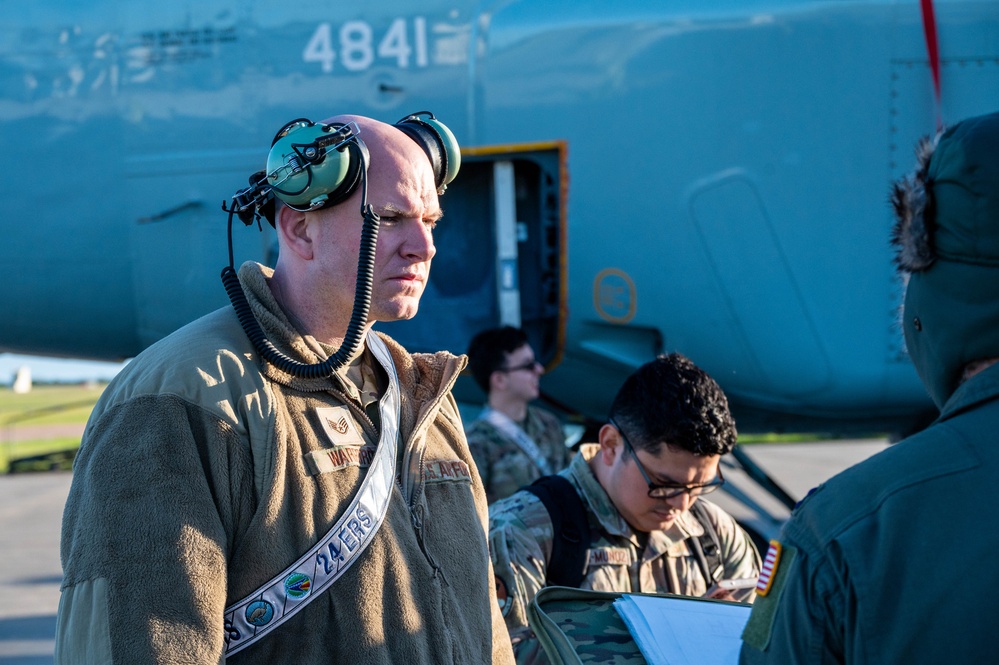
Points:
x=570 y=527
x=707 y=546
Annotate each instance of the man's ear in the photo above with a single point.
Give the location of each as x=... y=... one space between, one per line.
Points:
x=295 y=232
x=497 y=380
x=611 y=445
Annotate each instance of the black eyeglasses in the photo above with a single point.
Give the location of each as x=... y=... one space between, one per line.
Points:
x=531 y=366
x=669 y=491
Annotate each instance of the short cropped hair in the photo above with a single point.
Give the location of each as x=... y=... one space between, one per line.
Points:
x=671 y=401
x=487 y=351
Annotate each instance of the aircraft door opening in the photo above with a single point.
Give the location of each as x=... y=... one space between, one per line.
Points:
x=508 y=288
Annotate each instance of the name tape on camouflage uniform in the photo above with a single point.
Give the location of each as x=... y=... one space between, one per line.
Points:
x=608 y=556
x=253 y=617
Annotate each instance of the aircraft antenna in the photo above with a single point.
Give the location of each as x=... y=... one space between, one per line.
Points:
x=933 y=53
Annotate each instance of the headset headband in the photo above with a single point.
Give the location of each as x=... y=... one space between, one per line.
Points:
x=312 y=166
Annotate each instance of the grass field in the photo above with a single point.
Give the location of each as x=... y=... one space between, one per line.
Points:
x=32 y=414
x=58 y=405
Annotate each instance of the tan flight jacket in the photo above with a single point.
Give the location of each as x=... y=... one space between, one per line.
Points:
x=191 y=489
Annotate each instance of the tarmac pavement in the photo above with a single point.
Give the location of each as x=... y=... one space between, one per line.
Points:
x=30 y=517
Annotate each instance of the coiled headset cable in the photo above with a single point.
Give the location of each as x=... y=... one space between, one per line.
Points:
x=359 y=314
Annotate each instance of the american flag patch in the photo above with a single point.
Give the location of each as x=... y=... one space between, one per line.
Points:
x=769 y=569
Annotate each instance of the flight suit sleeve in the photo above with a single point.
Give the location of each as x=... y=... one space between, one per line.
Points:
x=520 y=543
x=799 y=617
x=144 y=538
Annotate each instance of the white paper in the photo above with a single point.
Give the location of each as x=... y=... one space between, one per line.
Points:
x=684 y=631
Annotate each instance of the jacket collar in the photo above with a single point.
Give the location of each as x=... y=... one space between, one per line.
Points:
x=423 y=378
x=982 y=387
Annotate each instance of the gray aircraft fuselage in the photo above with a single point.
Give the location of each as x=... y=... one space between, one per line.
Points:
x=638 y=177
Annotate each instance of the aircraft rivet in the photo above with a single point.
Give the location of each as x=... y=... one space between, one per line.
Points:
x=917 y=324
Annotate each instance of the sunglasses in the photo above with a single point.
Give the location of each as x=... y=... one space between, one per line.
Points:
x=531 y=366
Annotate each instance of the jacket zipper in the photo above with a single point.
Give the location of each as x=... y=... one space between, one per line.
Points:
x=417 y=517
x=417 y=511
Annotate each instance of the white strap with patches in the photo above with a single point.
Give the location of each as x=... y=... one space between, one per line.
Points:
x=513 y=431
x=253 y=617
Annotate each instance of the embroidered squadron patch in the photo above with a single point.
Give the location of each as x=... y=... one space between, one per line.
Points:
x=298 y=585
x=338 y=423
x=259 y=613
x=769 y=569
x=505 y=602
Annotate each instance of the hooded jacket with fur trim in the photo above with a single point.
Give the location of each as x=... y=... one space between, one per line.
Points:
x=947 y=237
x=193 y=487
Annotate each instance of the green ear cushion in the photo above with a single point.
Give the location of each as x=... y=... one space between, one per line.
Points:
x=451 y=148
x=437 y=142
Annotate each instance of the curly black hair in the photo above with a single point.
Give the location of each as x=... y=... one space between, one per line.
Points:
x=670 y=401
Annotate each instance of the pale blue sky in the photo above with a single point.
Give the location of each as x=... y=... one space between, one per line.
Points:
x=56 y=369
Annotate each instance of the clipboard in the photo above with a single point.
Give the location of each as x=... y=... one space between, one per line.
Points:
x=576 y=626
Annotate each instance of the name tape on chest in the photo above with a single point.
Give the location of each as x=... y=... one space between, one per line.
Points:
x=329 y=460
x=446 y=471
x=608 y=556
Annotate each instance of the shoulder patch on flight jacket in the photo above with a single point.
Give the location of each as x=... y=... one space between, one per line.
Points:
x=776 y=566
x=770 y=562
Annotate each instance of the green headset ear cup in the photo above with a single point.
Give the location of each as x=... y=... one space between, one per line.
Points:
x=437 y=141
x=357 y=160
x=451 y=149
x=331 y=179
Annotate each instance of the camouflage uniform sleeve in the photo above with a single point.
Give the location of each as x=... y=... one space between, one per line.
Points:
x=520 y=543
x=739 y=556
x=551 y=439
x=479 y=445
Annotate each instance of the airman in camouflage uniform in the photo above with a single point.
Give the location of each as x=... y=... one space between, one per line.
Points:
x=640 y=531
x=504 y=467
x=513 y=444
